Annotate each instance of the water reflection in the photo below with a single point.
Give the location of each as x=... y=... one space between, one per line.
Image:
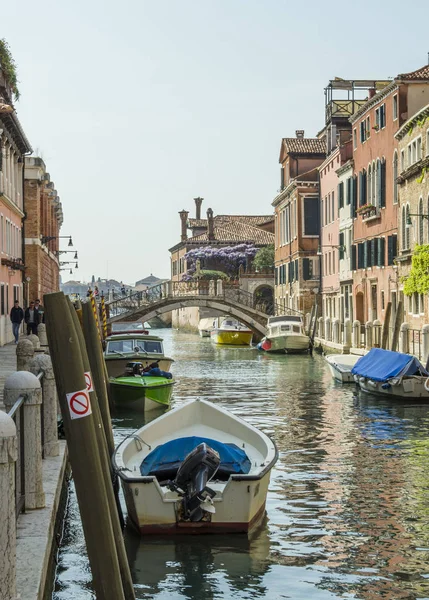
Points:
x=348 y=504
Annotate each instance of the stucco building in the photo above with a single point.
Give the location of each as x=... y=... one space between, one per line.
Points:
x=44 y=217
x=413 y=206
x=13 y=146
x=297 y=225
x=375 y=156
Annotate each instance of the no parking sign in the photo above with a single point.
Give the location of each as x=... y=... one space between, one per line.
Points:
x=79 y=404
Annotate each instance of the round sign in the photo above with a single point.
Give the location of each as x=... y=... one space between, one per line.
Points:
x=79 y=403
x=88 y=381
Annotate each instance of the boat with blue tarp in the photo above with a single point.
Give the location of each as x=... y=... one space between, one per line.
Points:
x=393 y=374
x=196 y=469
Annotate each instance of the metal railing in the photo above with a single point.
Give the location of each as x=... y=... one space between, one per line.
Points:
x=17 y=414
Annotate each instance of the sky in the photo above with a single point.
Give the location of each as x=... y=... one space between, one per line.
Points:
x=139 y=106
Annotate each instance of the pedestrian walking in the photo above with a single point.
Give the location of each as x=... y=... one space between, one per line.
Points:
x=16 y=317
x=40 y=310
x=31 y=317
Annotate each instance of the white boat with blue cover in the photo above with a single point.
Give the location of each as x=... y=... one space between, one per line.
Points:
x=392 y=374
x=196 y=469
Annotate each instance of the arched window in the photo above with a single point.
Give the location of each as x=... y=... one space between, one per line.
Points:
x=377 y=178
x=407 y=228
x=421 y=221
x=369 y=185
x=395 y=176
x=403 y=228
x=373 y=184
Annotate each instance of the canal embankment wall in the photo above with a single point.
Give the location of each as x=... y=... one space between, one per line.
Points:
x=187 y=318
x=33 y=471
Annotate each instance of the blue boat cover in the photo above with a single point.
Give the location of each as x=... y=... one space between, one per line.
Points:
x=381 y=365
x=164 y=461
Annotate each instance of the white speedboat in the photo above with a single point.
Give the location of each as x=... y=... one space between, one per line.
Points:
x=391 y=374
x=205 y=327
x=196 y=469
x=285 y=334
x=230 y=332
x=341 y=366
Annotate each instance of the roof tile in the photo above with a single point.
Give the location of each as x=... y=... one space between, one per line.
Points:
x=304 y=145
x=421 y=74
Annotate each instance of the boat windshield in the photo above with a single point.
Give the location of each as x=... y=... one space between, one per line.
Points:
x=138 y=326
x=285 y=328
x=134 y=346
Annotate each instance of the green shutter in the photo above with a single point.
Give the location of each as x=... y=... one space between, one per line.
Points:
x=341 y=250
x=306 y=268
x=383 y=183
x=353 y=258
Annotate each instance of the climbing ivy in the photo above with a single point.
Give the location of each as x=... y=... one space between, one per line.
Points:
x=418 y=279
x=8 y=67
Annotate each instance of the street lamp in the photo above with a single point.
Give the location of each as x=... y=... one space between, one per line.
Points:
x=69 y=262
x=48 y=238
x=340 y=247
x=69 y=251
x=408 y=220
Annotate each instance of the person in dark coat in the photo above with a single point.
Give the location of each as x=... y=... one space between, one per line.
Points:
x=16 y=317
x=31 y=317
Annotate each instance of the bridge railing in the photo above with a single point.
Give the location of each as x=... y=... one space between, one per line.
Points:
x=227 y=290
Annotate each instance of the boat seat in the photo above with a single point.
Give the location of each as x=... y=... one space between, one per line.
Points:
x=164 y=461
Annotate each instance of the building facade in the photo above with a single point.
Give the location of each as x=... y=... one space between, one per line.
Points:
x=297 y=225
x=44 y=217
x=413 y=206
x=13 y=147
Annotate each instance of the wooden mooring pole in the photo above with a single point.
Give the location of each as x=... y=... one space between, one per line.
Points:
x=385 y=334
x=80 y=425
x=398 y=319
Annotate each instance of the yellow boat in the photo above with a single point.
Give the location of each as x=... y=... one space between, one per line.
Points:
x=231 y=333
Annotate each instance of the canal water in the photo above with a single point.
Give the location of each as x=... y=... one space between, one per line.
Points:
x=348 y=503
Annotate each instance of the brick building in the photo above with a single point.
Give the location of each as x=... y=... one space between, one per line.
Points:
x=44 y=217
x=375 y=158
x=297 y=226
x=413 y=206
x=13 y=146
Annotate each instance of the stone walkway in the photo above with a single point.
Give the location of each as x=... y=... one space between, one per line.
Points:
x=7 y=366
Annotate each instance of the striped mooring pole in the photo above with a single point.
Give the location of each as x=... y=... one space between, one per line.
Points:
x=103 y=318
x=94 y=310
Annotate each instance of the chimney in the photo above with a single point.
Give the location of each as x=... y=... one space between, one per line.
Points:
x=299 y=133
x=371 y=92
x=184 y=218
x=198 y=201
x=210 y=224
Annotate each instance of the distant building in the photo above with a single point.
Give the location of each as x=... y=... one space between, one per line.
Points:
x=147 y=282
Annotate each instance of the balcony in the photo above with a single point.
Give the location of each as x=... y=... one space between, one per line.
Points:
x=342 y=108
x=369 y=212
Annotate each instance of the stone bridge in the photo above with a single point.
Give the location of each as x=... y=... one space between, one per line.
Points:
x=227 y=298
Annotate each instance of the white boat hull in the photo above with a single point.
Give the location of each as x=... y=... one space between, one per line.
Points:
x=204 y=333
x=340 y=366
x=401 y=388
x=288 y=343
x=239 y=502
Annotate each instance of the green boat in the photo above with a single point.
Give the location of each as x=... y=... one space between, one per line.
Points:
x=143 y=392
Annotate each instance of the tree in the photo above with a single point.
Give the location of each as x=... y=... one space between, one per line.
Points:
x=264 y=258
x=227 y=259
x=8 y=67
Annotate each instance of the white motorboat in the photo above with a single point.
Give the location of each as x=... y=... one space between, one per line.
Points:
x=285 y=334
x=230 y=332
x=195 y=469
x=205 y=327
x=392 y=374
x=341 y=366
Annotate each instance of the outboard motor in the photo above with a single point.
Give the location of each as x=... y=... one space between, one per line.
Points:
x=134 y=368
x=191 y=481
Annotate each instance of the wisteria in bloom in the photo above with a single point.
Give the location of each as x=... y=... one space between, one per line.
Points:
x=226 y=259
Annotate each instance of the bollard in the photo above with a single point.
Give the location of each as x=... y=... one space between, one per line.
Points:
x=219 y=287
x=34 y=340
x=321 y=328
x=24 y=354
x=26 y=384
x=404 y=340
x=368 y=335
x=356 y=334
x=347 y=334
x=336 y=331
x=425 y=343
x=212 y=284
x=42 y=362
x=41 y=334
x=8 y=456
x=328 y=329
x=377 y=333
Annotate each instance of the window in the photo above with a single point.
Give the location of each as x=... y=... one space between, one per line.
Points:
x=395 y=176
x=368 y=127
x=362 y=128
x=419 y=148
x=382 y=301
x=402 y=160
x=369 y=184
x=380 y=117
x=407 y=227
x=354 y=139
x=333 y=207
x=421 y=221
x=311 y=215
x=403 y=228
x=395 y=107
x=410 y=157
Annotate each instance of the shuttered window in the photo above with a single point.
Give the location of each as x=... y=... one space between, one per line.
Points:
x=349 y=190
x=2 y=306
x=341 y=248
x=353 y=257
x=341 y=195
x=353 y=186
x=362 y=188
x=361 y=257
x=383 y=183
x=311 y=216
x=296 y=270
x=381 y=251
x=392 y=243
x=306 y=269
x=276 y=275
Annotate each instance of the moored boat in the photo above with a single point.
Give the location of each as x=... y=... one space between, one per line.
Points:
x=341 y=366
x=196 y=469
x=205 y=327
x=230 y=332
x=123 y=348
x=285 y=334
x=391 y=374
x=142 y=391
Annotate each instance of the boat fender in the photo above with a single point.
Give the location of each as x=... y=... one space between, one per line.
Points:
x=372 y=383
x=385 y=386
x=427 y=384
x=362 y=380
